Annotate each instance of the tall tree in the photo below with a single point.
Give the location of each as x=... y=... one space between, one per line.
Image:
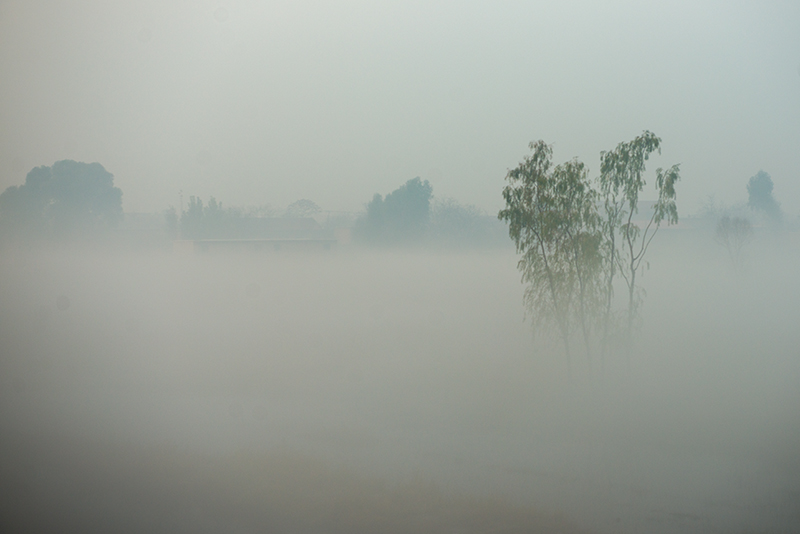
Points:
x=552 y=218
x=580 y=223
x=621 y=181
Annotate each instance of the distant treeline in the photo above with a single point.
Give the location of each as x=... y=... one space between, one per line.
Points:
x=408 y=216
x=212 y=221
x=78 y=201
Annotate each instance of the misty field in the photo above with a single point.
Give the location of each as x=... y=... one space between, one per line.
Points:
x=390 y=391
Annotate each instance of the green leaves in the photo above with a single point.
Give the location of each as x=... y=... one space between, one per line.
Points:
x=621 y=169
x=570 y=252
x=665 y=208
x=621 y=180
x=553 y=220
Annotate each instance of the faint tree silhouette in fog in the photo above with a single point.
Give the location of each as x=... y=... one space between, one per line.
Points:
x=68 y=200
x=262 y=210
x=759 y=190
x=210 y=221
x=401 y=217
x=463 y=226
x=193 y=224
x=733 y=234
x=213 y=221
x=553 y=220
x=302 y=208
x=625 y=243
x=171 y=222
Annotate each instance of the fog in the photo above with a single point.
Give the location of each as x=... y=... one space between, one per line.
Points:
x=360 y=390
x=271 y=102
x=252 y=276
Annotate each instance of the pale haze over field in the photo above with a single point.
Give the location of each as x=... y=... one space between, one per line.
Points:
x=293 y=369
x=269 y=102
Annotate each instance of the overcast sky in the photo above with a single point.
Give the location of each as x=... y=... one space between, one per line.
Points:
x=269 y=102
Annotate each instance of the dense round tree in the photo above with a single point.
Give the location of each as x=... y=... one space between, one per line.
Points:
x=401 y=217
x=69 y=199
x=759 y=190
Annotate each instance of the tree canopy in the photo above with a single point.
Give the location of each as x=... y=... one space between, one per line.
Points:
x=400 y=217
x=302 y=208
x=552 y=218
x=621 y=180
x=759 y=190
x=68 y=200
x=574 y=238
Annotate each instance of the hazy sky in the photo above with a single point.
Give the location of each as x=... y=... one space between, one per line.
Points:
x=269 y=102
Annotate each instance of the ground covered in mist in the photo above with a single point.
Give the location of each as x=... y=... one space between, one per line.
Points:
x=371 y=391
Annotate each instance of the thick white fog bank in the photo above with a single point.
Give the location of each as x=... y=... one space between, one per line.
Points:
x=365 y=391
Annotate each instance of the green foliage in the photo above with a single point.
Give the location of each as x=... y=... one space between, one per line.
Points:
x=401 y=217
x=570 y=252
x=552 y=219
x=621 y=169
x=621 y=180
x=666 y=208
x=68 y=200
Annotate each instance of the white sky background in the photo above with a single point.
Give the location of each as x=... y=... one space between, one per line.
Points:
x=269 y=102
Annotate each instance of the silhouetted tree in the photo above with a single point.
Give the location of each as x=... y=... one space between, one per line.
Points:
x=459 y=225
x=400 y=217
x=171 y=222
x=759 y=190
x=193 y=220
x=68 y=200
x=302 y=208
x=208 y=222
x=733 y=234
